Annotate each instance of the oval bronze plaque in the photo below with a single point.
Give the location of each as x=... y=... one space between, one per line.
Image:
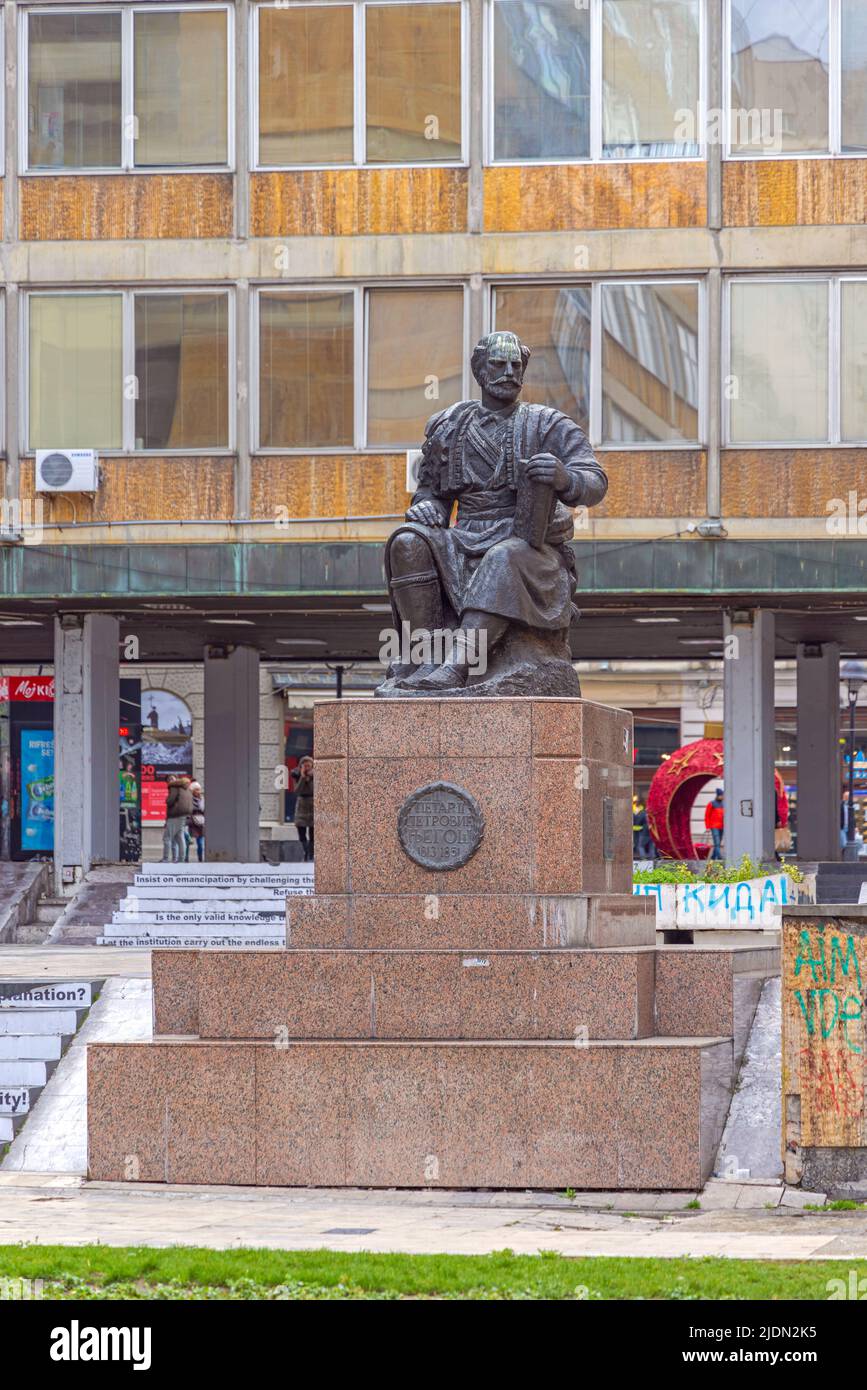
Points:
x=440 y=826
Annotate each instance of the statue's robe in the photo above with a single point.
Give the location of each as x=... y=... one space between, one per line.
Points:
x=473 y=456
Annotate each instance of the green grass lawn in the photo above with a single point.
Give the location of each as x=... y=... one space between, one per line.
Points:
x=101 y=1272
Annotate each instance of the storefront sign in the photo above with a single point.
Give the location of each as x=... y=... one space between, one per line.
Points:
x=26 y=687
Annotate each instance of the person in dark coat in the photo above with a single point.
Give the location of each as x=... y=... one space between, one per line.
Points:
x=179 y=805
x=302 y=775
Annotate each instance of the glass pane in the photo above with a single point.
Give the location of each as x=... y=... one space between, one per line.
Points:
x=413 y=83
x=306 y=373
x=75 y=371
x=541 y=80
x=306 y=85
x=779 y=90
x=853 y=357
x=554 y=322
x=779 y=362
x=181 y=81
x=182 y=367
x=651 y=64
x=650 y=364
x=73 y=91
x=415 y=361
x=854 y=131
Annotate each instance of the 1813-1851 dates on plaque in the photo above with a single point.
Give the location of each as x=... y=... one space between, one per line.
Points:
x=440 y=825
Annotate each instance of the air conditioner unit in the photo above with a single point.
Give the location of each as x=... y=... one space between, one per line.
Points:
x=413 y=463
x=67 y=470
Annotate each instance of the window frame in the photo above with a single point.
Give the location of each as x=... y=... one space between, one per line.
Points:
x=832 y=283
x=359 y=87
x=835 y=96
x=127 y=163
x=596 y=155
x=596 y=284
x=360 y=323
x=128 y=295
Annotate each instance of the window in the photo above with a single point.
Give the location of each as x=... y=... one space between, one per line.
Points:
x=76 y=371
x=360 y=83
x=169 y=391
x=356 y=368
x=650 y=381
x=306 y=369
x=798 y=352
x=554 y=320
x=609 y=79
x=127 y=89
x=798 y=71
x=620 y=358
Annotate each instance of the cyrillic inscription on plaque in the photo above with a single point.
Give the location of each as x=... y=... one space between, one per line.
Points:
x=440 y=826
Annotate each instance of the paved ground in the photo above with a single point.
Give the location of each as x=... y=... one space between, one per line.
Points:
x=733 y=1220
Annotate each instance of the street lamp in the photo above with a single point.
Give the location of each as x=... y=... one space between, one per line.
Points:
x=854 y=675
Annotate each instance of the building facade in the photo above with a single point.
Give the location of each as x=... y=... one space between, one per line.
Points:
x=248 y=247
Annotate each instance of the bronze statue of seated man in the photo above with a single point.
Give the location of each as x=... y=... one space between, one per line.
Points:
x=501 y=579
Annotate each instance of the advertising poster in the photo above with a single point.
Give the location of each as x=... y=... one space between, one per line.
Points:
x=166 y=748
x=37 y=789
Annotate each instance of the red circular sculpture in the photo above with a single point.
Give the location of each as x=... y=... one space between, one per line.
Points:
x=673 y=791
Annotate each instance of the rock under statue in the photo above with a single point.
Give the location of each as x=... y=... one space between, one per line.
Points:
x=498 y=584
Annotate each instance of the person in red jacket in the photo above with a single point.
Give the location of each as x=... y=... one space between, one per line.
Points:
x=714 y=816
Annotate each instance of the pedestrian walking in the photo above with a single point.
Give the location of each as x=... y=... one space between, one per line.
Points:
x=302 y=775
x=196 y=822
x=179 y=806
x=714 y=818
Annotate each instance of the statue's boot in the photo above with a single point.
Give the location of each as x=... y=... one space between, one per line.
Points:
x=440 y=678
x=418 y=601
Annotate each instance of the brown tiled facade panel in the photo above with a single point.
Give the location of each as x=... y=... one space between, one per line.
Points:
x=564 y=197
x=358 y=202
x=146 y=488
x=328 y=485
x=789 y=482
x=654 y=483
x=651 y=483
x=109 y=207
x=794 y=192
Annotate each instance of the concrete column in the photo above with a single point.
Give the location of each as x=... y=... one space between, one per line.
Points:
x=748 y=720
x=86 y=712
x=818 y=750
x=231 y=777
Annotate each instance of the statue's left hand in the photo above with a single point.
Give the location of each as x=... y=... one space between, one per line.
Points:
x=545 y=468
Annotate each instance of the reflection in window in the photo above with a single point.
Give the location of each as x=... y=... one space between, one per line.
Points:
x=650 y=364
x=182 y=371
x=779 y=362
x=853 y=357
x=854 y=116
x=415 y=353
x=75 y=371
x=413 y=82
x=554 y=322
x=74 y=91
x=541 y=80
x=306 y=85
x=181 y=87
x=651 y=66
x=306 y=371
x=779 y=92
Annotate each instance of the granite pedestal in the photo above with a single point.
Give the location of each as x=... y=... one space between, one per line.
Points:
x=472 y=997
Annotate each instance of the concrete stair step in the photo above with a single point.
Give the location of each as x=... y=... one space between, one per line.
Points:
x=49 y=912
x=14 y=1021
x=237 y=907
x=17 y=1072
x=32 y=934
x=48 y=994
x=225 y=870
x=18 y=1100
x=179 y=893
x=197 y=941
x=47 y=1047
x=9 y=1127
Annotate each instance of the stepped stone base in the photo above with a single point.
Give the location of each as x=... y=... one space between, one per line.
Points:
x=495 y=921
x=643 y=1114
